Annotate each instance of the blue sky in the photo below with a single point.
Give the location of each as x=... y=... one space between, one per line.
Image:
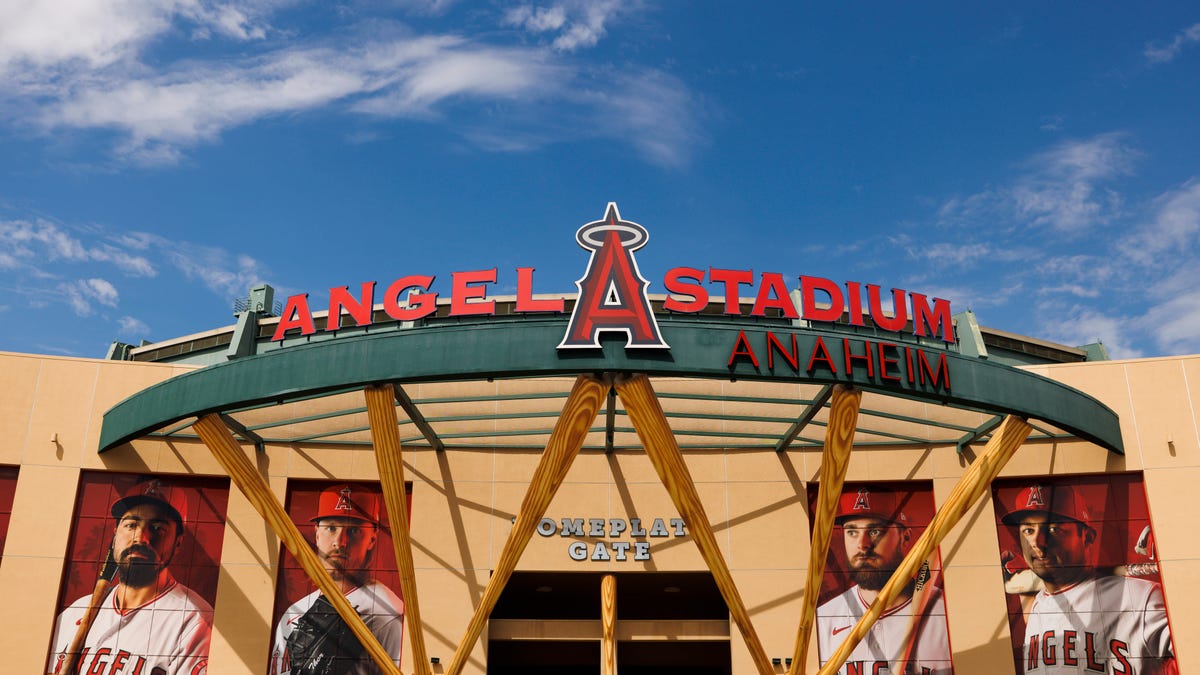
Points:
x=1035 y=162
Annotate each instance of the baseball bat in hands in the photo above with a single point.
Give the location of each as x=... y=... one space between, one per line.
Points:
x=108 y=570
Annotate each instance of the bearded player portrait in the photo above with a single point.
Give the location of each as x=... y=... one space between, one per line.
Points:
x=875 y=527
x=1085 y=579
x=139 y=618
x=348 y=536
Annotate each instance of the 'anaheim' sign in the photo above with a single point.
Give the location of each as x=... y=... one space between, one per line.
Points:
x=613 y=296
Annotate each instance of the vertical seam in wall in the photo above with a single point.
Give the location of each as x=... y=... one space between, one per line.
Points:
x=37 y=385
x=87 y=426
x=1187 y=390
x=1137 y=436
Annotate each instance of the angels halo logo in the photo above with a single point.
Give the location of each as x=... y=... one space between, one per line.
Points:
x=612 y=292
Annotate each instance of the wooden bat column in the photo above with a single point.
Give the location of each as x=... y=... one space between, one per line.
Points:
x=655 y=433
x=385 y=435
x=1005 y=441
x=839 y=440
x=577 y=416
x=608 y=625
x=229 y=453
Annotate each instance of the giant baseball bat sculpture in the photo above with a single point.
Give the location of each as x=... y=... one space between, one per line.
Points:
x=839 y=440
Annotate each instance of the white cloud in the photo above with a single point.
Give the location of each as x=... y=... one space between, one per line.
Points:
x=83 y=294
x=536 y=19
x=1166 y=52
x=577 y=24
x=131 y=327
x=98 y=33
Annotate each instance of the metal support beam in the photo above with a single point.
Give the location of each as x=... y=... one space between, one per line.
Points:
x=809 y=414
x=610 y=418
x=978 y=433
x=241 y=430
x=417 y=418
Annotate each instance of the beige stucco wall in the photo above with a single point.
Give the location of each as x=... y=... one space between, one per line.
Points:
x=463 y=502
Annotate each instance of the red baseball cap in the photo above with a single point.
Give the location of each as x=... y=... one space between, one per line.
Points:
x=1059 y=500
x=153 y=491
x=871 y=503
x=348 y=501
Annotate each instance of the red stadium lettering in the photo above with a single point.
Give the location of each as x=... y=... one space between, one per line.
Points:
x=851 y=357
x=821 y=353
x=774 y=345
x=742 y=348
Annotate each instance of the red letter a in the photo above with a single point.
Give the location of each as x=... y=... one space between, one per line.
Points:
x=612 y=292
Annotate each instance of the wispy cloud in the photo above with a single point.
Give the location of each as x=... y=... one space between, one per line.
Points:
x=41 y=259
x=1018 y=243
x=91 y=69
x=130 y=327
x=1067 y=188
x=1165 y=52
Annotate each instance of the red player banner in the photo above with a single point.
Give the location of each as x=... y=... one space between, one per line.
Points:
x=141 y=575
x=347 y=525
x=1080 y=569
x=875 y=525
x=8 y=491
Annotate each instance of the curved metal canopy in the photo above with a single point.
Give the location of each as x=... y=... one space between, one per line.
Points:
x=500 y=382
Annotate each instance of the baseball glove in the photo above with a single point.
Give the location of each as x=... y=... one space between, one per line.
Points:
x=322 y=644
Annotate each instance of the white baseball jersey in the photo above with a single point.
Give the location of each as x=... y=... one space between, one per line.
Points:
x=167 y=636
x=380 y=609
x=1107 y=624
x=881 y=651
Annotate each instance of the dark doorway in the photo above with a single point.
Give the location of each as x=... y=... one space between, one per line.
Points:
x=527 y=657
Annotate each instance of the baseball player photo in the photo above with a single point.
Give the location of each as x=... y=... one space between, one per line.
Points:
x=1081 y=610
x=310 y=637
x=139 y=618
x=875 y=527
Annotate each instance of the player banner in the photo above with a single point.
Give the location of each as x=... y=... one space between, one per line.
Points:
x=141 y=575
x=347 y=525
x=875 y=526
x=8 y=491
x=1081 y=573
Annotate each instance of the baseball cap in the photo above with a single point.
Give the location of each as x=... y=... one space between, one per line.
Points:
x=871 y=503
x=170 y=498
x=348 y=501
x=1060 y=500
